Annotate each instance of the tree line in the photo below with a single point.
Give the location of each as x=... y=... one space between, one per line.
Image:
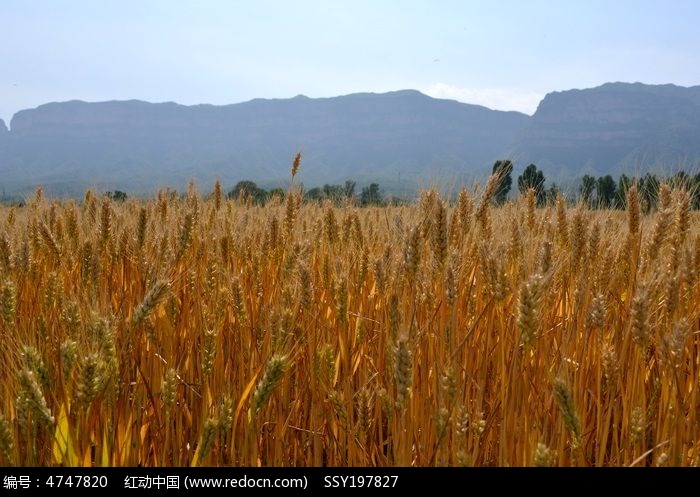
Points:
x=339 y=193
x=602 y=192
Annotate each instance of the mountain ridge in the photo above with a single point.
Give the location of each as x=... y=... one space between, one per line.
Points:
x=342 y=138
x=614 y=128
x=399 y=138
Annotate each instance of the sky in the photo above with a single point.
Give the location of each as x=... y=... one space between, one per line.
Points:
x=502 y=54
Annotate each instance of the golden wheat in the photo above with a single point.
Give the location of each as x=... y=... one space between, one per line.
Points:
x=214 y=331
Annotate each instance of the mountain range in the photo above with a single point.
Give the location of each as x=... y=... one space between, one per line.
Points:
x=399 y=139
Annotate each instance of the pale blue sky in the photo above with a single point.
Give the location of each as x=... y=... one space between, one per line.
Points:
x=502 y=54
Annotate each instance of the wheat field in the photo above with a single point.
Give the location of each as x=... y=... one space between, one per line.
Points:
x=185 y=330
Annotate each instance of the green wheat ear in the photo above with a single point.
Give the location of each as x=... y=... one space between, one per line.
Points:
x=563 y=396
x=544 y=456
x=169 y=388
x=8 y=303
x=154 y=297
x=271 y=377
x=31 y=393
x=403 y=367
x=209 y=431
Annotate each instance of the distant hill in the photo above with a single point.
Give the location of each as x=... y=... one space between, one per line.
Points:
x=399 y=139
x=616 y=127
x=395 y=138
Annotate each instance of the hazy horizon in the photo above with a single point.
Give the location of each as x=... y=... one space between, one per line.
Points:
x=505 y=56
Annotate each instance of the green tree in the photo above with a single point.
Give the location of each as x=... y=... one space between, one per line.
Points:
x=504 y=169
x=333 y=192
x=532 y=178
x=623 y=184
x=680 y=180
x=371 y=195
x=649 y=191
x=276 y=192
x=314 y=194
x=338 y=193
x=349 y=189
x=117 y=195
x=586 y=189
x=248 y=189
x=552 y=193
x=606 y=191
